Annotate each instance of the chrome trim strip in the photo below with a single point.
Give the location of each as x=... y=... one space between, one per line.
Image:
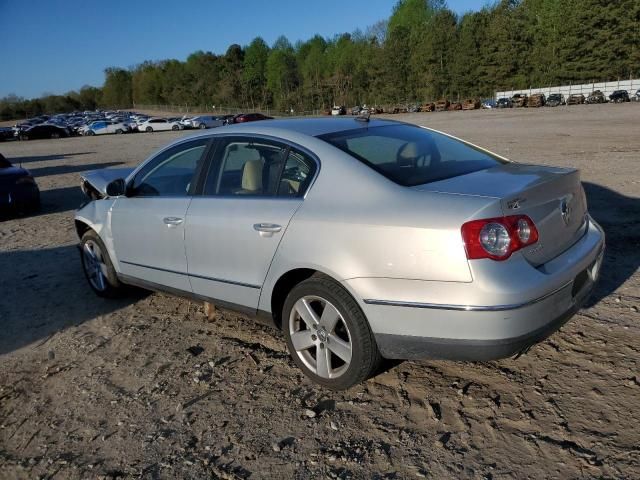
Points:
x=465 y=308
x=230 y=282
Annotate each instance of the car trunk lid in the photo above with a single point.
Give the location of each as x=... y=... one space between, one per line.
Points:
x=552 y=197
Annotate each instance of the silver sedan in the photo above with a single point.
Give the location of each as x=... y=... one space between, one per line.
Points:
x=360 y=239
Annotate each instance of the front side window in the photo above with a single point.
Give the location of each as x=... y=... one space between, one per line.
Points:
x=410 y=155
x=172 y=172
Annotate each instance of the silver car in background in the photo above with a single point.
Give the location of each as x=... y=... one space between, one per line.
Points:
x=203 y=121
x=360 y=239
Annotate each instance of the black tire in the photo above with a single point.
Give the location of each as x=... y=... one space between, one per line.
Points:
x=365 y=356
x=90 y=133
x=55 y=135
x=112 y=286
x=148 y=129
x=175 y=128
x=119 y=131
x=202 y=126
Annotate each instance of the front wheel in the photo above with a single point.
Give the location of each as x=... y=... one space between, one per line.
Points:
x=327 y=334
x=97 y=266
x=175 y=127
x=202 y=126
x=119 y=131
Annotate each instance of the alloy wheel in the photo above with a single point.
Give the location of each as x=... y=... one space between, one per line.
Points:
x=94 y=265
x=320 y=337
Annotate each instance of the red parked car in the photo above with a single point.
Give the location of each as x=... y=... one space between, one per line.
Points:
x=248 y=117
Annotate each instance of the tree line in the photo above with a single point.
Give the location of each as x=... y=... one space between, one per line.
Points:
x=423 y=52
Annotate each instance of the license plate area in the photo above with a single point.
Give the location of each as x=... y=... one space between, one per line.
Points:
x=579 y=282
x=587 y=276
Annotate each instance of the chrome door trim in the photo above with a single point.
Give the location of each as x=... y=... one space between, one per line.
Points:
x=221 y=280
x=465 y=308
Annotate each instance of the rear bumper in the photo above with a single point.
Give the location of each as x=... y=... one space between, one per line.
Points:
x=409 y=347
x=20 y=199
x=418 y=323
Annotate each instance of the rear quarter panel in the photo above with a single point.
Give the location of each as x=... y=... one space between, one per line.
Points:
x=354 y=223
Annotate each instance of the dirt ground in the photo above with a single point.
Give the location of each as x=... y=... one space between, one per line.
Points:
x=146 y=387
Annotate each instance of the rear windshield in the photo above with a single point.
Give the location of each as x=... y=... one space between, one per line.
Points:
x=410 y=155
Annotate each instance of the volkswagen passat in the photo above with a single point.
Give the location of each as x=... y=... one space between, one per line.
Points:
x=360 y=239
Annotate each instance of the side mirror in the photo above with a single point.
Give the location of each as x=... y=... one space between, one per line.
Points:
x=116 y=188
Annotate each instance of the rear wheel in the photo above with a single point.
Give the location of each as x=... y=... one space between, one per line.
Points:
x=55 y=135
x=327 y=334
x=148 y=129
x=119 y=131
x=175 y=127
x=97 y=266
x=90 y=133
x=202 y=126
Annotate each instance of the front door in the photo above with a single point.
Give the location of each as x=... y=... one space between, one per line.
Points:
x=148 y=224
x=253 y=189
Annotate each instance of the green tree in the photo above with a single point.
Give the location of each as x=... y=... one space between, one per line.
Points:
x=117 y=91
x=254 y=74
x=282 y=73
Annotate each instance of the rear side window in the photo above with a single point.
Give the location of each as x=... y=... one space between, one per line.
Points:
x=258 y=167
x=247 y=167
x=410 y=155
x=296 y=175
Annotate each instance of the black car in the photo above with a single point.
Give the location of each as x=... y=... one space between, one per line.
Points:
x=19 y=192
x=619 y=96
x=6 y=133
x=43 y=131
x=555 y=99
x=596 y=97
x=504 y=103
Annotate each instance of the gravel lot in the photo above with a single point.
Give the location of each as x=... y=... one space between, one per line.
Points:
x=93 y=388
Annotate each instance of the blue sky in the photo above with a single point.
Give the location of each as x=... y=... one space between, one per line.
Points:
x=54 y=46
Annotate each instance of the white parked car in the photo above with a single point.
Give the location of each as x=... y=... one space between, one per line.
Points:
x=158 y=125
x=105 y=127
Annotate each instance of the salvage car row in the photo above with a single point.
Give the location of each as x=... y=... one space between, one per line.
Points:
x=105 y=123
x=517 y=100
x=557 y=99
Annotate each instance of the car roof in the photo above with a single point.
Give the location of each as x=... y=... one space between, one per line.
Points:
x=314 y=127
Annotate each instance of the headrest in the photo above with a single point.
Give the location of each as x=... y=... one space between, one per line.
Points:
x=252 y=175
x=409 y=151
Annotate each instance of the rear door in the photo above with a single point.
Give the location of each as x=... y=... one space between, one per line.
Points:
x=148 y=224
x=253 y=188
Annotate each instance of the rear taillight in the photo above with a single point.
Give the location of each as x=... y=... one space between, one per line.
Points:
x=498 y=238
x=25 y=180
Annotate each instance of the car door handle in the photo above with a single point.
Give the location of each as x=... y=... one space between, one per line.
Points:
x=172 y=221
x=267 y=229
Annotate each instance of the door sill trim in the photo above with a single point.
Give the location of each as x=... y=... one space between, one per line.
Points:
x=213 y=279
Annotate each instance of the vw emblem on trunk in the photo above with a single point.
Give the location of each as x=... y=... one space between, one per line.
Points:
x=565 y=209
